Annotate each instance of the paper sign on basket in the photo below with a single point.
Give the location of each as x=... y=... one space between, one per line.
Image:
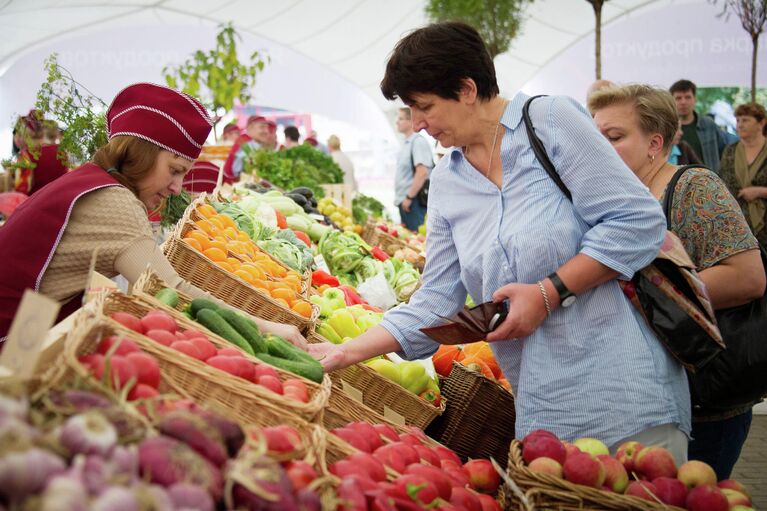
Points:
x=28 y=331
x=393 y=416
x=352 y=391
x=321 y=264
x=97 y=283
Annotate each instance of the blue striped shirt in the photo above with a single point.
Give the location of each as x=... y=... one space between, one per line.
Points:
x=595 y=368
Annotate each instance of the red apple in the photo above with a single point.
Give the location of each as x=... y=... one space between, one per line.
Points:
x=653 y=462
x=626 y=454
x=616 y=477
x=539 y=432
x=733 y=485
x=544 y=465
x=670 y=491
x=592 y=446
x=437 y=477
x=642 y=490
x=707 y=497
x=570 y=449
x=735 y=498
x=696 y=473
x=482 y=475
x=543 y=445
x=585 y=469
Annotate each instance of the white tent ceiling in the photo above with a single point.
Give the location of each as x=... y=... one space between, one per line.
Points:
x=328 y=56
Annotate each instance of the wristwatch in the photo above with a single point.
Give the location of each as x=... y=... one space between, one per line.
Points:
x=566 y=297
x=409 y=197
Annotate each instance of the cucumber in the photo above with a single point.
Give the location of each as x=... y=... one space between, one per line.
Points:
x=199 y=304
x=168 y=296
x=216 y=324
x=311 y=372
x=279 y=347
x=246 y=328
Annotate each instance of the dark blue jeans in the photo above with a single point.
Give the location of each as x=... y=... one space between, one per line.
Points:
x=718 y=443
x=415 y=218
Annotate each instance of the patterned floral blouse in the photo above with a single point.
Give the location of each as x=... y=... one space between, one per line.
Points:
x=708 y=219
x=727 y=171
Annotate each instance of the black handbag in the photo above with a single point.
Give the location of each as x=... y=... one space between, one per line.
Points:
x=423 y=194
x=737 y=376
x=668 y=292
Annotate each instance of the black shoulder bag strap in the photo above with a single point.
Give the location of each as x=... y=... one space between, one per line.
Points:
x=668 y=198
x=540 y=151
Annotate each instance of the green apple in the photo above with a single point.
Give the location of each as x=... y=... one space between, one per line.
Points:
x=386 y=368
x=592 y=446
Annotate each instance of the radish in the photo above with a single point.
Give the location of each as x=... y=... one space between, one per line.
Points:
x=207 y=349
x=129 y=321
x=187 y=348
x=124 y=347
x=162 y=337
x=160 y=320
x=146 y=367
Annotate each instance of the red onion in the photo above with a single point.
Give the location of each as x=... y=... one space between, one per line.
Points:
x=27 y=472
x=16 y=435
x=10 y=407
x=64 y=493
x=152 y=496
x=115 y=498
x=88 y=433
x=190 y=496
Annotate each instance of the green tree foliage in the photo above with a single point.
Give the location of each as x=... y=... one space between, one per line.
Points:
x=77 y=110
x=497 y=21
x=706 y=96
x=753 y=16
x=218 y=77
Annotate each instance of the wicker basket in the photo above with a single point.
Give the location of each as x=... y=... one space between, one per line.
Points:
x=544 y=491
x=201 y=272
x=385 y=241
x=149 y=284
x=378 y=391
x=479 y=419
x=189 y=370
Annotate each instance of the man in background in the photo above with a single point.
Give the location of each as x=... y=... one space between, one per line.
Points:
x=291 y=137
x=700 y=131
x=414 y=164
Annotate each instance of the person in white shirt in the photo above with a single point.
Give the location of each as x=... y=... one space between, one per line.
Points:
x=343 y=161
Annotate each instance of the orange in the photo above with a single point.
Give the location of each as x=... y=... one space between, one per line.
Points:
x=236 y=247
x=230 y=232
x=286 y=294
x=224 y=265
x=228 y=222
x=206 y=210
x=219 y=245
x=194 y=243
x=216 y=255
x=234 y=263
x=207 y=227
x=254 y=270
x=201 y=238
x=241 y=236
x=260 y=284
x=282 y=302
x=216 y=220
x=244 y=275
x=303 y=308
x=260 y=256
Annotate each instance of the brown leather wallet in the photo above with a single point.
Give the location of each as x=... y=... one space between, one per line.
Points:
x=469 y=325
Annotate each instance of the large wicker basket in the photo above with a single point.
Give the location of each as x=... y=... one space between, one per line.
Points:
x=379 y=392
x=195 y=378
x=200 y=271
x=385 y=241
x=479 y=419
x=544 y=491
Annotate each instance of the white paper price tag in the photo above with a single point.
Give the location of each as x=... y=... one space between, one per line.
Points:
x=28 y=331
x=393 y=416
x=321 y=264
x=352 y=391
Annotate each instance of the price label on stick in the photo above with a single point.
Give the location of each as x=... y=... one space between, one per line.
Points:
x=393 y=416
x=28 y=331
x=352 y=391
x=97 y=283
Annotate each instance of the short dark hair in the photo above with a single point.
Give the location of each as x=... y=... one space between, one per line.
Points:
x=683 y=86
x=435 y=60
x=754 y=110
x=291 y=132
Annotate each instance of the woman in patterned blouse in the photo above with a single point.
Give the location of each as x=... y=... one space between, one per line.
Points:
x=640 y=121
x=744 y=167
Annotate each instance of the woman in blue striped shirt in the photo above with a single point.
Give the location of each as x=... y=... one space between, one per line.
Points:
x=581 y=360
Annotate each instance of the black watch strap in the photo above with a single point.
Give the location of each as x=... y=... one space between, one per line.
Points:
x=566 y=297
x=409 y=197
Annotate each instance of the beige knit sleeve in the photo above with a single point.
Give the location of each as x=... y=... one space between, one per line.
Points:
x=144 y=253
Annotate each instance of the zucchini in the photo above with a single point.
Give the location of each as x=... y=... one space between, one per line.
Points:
x=168 y=296
x=216 y=324
x=199 y=304
x=246 y=327
x=311 y=372
x=279 y=347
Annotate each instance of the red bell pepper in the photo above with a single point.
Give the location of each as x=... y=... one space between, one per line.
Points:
x=351 y=297
x=282 y=223
x=379 y=254
x=431 y=396
x=371 y=308
x=303 y=237
x=323 y=278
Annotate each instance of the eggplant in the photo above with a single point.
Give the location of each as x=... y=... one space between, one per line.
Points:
x=302 y=190
x=297 y=198
x=313 y=202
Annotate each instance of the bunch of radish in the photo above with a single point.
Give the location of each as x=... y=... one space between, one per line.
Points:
x=429 y=477
x=163 y=329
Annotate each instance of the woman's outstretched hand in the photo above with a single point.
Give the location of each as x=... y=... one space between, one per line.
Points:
x=331 y=356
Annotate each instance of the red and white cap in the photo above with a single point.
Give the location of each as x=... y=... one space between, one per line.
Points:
x=166 y=117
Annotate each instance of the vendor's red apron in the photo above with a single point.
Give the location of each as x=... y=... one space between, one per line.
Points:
x=229 y=176
x=32 y=233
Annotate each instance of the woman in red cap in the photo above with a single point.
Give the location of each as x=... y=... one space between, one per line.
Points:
x=155 y=134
